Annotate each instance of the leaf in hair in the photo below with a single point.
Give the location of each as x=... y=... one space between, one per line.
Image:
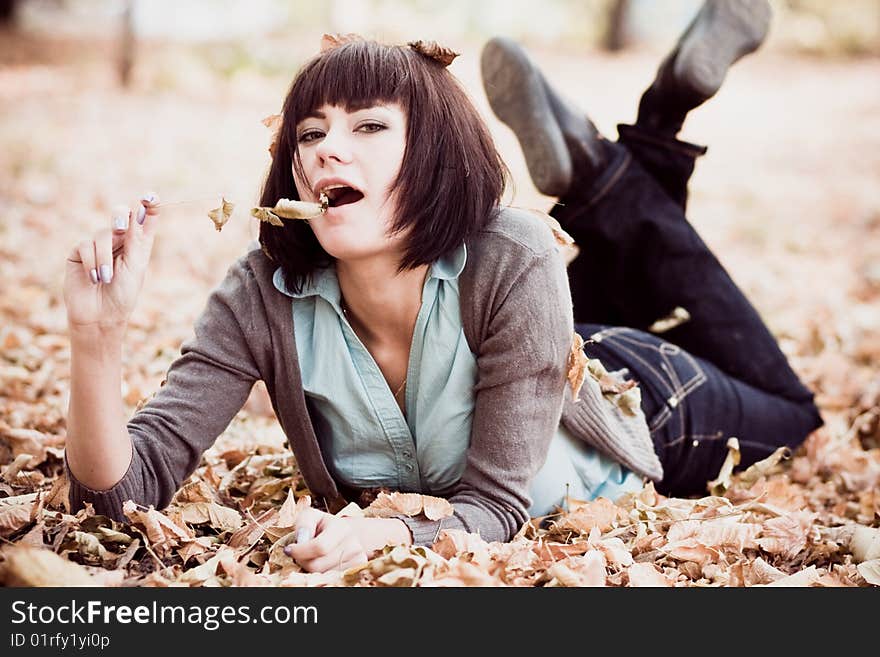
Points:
x=273 y=122
x=435 y=51
x=331 y=41
x=221 y=215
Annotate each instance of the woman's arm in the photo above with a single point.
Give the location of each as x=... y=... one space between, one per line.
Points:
x=98 y=448
x=103 y=279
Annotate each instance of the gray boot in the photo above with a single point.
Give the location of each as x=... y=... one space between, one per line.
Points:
x=722 y=32
x=557 y=140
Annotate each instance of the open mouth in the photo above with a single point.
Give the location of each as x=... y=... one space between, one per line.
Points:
x=339 y=195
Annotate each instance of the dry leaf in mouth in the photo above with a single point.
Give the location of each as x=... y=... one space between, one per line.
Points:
x=221 y=215
x=287 y=209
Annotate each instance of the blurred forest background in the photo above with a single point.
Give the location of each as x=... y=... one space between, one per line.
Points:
x=104 y=100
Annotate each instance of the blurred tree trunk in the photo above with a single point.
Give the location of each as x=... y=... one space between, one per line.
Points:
x=615 y=35
x=127 y=45
x=7 y=12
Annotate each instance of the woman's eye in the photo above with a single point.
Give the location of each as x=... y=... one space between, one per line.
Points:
x=371 y=127
x=309 y=135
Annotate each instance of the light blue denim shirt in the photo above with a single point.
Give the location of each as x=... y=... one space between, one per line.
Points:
x=367 y=441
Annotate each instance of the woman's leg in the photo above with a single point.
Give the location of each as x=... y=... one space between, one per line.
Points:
x=692 y=407
x=721 y=33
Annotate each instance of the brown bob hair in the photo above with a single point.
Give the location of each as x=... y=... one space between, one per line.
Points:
x=451 y=178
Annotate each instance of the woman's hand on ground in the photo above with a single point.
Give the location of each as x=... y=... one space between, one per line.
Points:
x=326 y=542
x=338 y=543
x=105 y=272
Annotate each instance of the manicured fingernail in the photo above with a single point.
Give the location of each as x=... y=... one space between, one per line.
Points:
x=142 y=214
x=120 y=221
x=149 y=197
x=94 y=276
x=106 y=273
x=303 y=534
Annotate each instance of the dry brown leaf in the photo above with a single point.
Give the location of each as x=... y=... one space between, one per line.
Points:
x=273 y=122
x=435 y=51
x=265 y=214
x=288 y=209
x=677 y=317
x=577 y=365
x=764 y=467
x=331 y=41
x=13 y=518
x=387 y=505
x=865 y=543
x=162 y=532
x=11 y=470
x=583 y=516
x=42 y=567
x=722 y=482
x=283 y=524
x=582 y=571
x=806 y=577
x=786 y=535
x=646 y=575
x=435 y=508
x=870 y=570
x=219 y=517
x=221 y=215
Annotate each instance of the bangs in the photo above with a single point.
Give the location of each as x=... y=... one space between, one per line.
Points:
x=353 y=76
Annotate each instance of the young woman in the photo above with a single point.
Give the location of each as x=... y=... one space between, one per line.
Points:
x=414 y=337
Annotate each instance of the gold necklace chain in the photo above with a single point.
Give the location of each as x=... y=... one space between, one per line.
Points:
x=345 y=312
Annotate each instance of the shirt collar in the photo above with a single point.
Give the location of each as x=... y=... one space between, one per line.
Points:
x=324 y=283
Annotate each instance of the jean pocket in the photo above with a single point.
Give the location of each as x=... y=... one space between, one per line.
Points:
x=671 y=372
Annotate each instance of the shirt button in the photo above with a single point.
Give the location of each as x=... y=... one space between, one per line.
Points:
x=409 y=466
x=407 y=455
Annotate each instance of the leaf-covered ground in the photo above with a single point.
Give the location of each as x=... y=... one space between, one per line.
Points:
x=788 y=196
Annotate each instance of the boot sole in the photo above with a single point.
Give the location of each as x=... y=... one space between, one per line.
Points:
x=723 y=32
x=516 y=95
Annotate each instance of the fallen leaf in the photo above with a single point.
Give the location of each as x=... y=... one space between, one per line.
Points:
x=387 y=505
x=786 y=535
x=582 y=571
x=865 y=544
x=764 y=467
x=722 y=482
x=870 y=570
x=10 y=472
x=677 y=317
x=583 y=516
x=577 y=365
x=221 y=215
x=806 y=577
x=42 y=567
x=435 y=508
x=13 y=518
x=219 y=517
x=646 y=575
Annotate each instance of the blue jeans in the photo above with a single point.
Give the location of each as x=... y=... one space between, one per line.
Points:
x=718 y=375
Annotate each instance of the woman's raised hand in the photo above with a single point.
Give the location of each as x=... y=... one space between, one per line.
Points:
x=106 y=271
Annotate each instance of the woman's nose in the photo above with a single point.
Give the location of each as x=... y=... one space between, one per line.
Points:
x=334 y=146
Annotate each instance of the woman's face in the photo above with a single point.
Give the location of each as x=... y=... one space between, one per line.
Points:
x=353 y=157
